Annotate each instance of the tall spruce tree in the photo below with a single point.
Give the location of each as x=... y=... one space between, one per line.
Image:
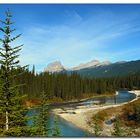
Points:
x=55 y=130
x=12 y=112
x=40 y=123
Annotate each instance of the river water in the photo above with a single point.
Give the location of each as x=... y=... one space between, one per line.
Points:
x=70 y=130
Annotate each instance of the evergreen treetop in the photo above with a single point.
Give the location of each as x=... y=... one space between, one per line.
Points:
x=13 y=114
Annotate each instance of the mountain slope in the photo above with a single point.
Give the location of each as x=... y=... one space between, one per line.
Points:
x=115 y=69
x=86 y=65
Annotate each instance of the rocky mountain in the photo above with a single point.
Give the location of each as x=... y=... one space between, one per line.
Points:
x=96 y=68
x=58 y=67
x=104 y=63
x=114 y=69
x=91 y=64
x=54 y=67
x=86 y=65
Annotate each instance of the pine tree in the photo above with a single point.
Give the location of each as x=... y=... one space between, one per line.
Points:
x=40 y=123
x=33 y=70
x=56 y=131
x=12 y=112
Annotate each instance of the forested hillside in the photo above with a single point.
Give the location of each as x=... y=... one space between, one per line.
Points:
x=73 y=86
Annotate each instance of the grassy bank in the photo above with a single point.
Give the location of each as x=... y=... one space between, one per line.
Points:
x=128 y=114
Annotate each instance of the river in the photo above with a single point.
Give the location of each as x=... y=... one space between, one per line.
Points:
x=70 y=130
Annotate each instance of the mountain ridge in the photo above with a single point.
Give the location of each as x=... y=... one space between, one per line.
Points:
x=56 y=66
x=96 y=68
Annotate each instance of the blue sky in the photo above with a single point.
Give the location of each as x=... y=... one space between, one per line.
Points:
x=76 y=33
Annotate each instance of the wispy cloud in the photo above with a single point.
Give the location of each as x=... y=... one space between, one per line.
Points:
x=76 y=40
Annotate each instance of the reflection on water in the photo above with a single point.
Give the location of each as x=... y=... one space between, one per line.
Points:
x=121 y=97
